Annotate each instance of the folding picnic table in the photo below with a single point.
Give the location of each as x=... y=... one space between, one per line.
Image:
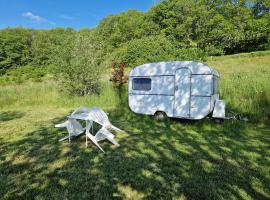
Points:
x=90 y=115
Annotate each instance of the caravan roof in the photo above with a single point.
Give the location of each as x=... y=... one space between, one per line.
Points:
x=169 y=68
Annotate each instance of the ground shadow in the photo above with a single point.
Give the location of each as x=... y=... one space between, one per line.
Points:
x=10 y=115
x=168 y=159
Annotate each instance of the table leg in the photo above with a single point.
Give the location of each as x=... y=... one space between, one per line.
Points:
x=86 y=144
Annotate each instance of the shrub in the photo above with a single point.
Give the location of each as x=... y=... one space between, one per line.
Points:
x=191 y=54
x=118 y=76
x=15 y=45
x=139 y=51
x=22 y=74
x=214 y=51
x=152 y=49
x=79 y=64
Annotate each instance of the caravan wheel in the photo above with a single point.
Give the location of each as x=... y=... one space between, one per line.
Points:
x=160 y=115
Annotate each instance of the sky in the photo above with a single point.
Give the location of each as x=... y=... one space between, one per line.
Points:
x=44 y=14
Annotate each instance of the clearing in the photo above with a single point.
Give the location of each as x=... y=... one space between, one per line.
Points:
x=171 y=159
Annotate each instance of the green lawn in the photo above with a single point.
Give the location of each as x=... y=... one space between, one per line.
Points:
x=171 y=159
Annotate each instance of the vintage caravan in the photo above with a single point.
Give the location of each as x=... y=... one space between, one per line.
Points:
x=179 y=89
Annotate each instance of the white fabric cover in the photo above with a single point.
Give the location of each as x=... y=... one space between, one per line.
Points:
x=74 y=128
x=90 y=115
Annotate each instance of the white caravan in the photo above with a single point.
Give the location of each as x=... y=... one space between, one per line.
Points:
x=180 y=89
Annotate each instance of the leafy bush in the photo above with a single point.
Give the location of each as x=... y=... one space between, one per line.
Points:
x=191 y=54
x=24 y=73
x=265 y=46
x=78 y=64
x=124 y=27
x=45 y=43
x=15 y=46
x=118 y=76
x=214 y=51
x=148 y=49
x=153 y=49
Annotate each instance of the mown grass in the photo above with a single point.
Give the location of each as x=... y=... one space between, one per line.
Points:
x=172 y=159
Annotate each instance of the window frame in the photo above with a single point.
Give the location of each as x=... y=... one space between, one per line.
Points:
x=145 y=78
x=215 y=89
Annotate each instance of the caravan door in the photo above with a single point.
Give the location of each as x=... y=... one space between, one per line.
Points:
x=182 y=93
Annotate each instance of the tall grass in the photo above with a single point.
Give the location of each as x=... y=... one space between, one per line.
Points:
x=47 y=94
x=245 y=83
x=247 y=94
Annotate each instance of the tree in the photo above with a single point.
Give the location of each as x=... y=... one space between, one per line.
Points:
x=147 y=49
x=79 y=64
x=152 y=49
x=45 y=43
x=170 y=30
x=124 y=27
x=15 y=47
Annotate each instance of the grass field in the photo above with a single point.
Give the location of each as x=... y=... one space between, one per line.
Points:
x=171 y=159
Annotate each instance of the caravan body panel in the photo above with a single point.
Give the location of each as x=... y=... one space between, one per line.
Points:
x=159 y=97
x=182 y=93
x=181 y=89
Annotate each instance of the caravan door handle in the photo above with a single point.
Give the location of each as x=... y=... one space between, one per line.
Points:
x=193 y=106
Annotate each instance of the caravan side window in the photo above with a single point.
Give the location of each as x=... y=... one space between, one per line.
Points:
x=215 y=85
x=141 y=84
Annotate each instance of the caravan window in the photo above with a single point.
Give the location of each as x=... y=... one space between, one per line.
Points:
x=215 y=85
x=141 y=84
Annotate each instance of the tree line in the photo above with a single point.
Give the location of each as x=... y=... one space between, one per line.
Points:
x=170 y=30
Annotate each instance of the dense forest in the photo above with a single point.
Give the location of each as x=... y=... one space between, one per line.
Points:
x=170 y=30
